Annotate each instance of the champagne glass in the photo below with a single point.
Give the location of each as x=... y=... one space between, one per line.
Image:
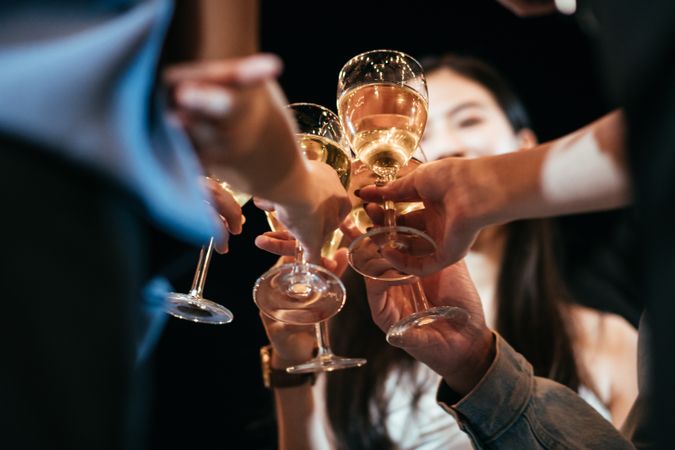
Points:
x=193 y=306
x=382 y=104
x=401 y=333
x=302 y=293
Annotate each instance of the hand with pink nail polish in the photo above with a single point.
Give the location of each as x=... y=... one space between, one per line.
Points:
x=226 y=105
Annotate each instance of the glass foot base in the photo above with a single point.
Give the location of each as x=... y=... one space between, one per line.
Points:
x=408 y=244
x=326 y=363
x=299 y=298
x=197 y=309
x=405 y=333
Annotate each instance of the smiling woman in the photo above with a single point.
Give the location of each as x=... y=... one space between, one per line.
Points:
x=516 y=266
x=473 y=112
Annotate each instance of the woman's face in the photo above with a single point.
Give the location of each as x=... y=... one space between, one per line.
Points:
x=464 y=119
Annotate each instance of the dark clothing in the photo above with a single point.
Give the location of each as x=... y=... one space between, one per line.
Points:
x=73 y=266
x=637 y=47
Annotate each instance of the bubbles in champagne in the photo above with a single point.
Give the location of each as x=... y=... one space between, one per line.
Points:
x=316 y=148
x=385 y=151
x=384 y=123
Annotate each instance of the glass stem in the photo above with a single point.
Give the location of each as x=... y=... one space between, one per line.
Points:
x=202 y=267
x=389 y=211
x=419 y=298
x=300 y=285
x=300 y=264
x=322 y=339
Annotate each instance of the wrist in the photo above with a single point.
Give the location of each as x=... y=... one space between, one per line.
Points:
x=279 y=362
x=485 y=198
x=275 y=377
x=480 y=357
x=294 y=191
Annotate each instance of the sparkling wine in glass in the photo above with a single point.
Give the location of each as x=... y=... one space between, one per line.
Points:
x=280 y=292
x=193 y=306
x=382 y=104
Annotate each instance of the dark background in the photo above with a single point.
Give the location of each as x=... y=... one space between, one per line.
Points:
x=207 y=386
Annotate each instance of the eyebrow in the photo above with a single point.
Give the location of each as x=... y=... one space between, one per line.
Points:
x=463 y=106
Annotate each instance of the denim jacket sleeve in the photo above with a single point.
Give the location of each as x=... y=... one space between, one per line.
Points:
x=510 y=408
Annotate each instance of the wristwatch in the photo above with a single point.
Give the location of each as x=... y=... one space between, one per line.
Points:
x=279 y=378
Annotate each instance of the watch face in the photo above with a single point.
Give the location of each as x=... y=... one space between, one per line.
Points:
x=265 y=358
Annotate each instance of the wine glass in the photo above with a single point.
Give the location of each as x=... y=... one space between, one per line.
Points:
x=401 y=333
x=300 y=293
x=382 y=104
x=193 y=306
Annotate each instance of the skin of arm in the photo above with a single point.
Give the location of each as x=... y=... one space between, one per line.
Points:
x=608 y=348
x=299 y=419
x=300 y=411
x=583 y=171
x=234 y=112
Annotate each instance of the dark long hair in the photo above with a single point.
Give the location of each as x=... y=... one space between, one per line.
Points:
x=531 y=307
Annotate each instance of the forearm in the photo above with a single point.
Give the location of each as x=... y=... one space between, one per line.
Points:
x=299 y=419
x=227 y=28
x=257 y=163
x=584 y=171
x=254 y=148
x=213 y=29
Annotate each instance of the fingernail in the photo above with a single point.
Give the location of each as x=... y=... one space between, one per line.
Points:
x=213 y=101
x=262 y=63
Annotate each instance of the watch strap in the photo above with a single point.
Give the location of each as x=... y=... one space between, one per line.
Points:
x=279 y=378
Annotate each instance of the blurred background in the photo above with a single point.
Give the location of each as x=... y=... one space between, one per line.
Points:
x=211 y=374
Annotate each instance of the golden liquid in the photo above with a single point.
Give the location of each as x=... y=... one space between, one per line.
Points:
x=317 y=148
x=384 y=123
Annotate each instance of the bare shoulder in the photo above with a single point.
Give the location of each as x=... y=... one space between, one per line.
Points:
x=607 y=345
x=603 y=332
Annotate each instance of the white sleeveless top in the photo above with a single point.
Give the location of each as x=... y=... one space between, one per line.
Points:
x=430 y=427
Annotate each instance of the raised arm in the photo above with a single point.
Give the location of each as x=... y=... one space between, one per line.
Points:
x=583 y=171
x=234 y=113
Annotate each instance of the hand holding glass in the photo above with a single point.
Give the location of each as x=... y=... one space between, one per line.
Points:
x=301 y=293
x=193 y=306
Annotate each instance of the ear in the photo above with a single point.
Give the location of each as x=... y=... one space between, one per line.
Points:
x=527 y=138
